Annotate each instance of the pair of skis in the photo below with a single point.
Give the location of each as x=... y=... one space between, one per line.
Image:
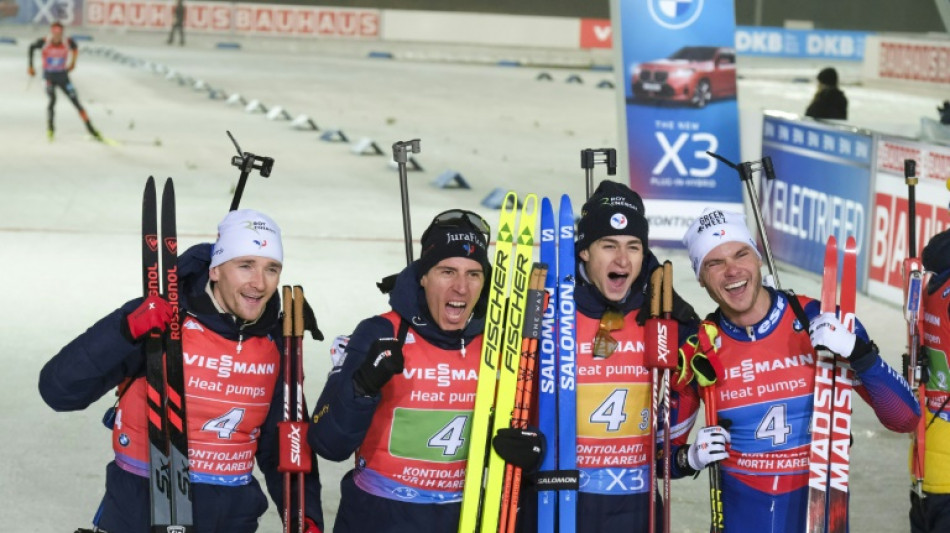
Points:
x=830 y=452
x=498 y=374
x=170 y=488
x=558 y=479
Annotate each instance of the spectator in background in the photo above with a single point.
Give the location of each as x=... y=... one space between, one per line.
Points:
x=944 y=111
x=829 y=101
x=178 y=23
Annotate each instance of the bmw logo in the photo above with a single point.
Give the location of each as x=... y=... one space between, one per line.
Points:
x=675 y=14
x=123 y=440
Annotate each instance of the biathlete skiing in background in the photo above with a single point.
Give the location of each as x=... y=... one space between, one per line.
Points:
x=59 y=57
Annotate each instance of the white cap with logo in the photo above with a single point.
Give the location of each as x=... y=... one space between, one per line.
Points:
x=712 y=228
x=247 y=232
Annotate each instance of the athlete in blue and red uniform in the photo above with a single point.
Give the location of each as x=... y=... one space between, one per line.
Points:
x=403 y=395
x=768 y=385
x=230 y=340
x=59 y=58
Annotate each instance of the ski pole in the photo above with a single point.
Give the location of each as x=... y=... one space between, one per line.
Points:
x=912 y=271
x=400 y=157
x=589 y=159
x=294 y=463
x=288 y=329
x=524 y=396
x=246 y=162
x=656 y=281
x=299 y=327
x=746 y=172
x=671 y=341
x=707 y=367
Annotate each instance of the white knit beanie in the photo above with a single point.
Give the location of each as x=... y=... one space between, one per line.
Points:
x=712 y=228
x=247 y=232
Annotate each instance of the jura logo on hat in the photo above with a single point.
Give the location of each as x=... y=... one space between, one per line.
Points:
x=469 y=237
x=618 y=221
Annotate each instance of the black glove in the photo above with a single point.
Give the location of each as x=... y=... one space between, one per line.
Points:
x=521 y=447
x=383 y=360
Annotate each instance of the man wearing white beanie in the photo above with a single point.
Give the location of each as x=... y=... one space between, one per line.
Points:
x=230 y=340
x=767 y=377
x=246 y=262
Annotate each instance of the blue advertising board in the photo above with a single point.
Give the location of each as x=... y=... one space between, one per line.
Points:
x=679 y=101
x=822 y=187
x=69 y=12
x=809 y=44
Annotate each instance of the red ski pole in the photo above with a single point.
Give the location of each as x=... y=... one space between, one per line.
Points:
x=298 y=392
x=287 y=295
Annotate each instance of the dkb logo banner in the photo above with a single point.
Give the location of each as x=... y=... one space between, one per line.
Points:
x=678 y=73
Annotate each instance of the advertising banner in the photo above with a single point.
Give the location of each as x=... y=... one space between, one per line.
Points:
x=810 y=44
x=596 y=33
x=890 y=216
x=678 y=101
x=259 y=19
x=821 y=188
x=69 y=12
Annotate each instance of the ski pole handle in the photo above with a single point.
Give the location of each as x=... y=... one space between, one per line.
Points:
x=589 y=159
x=746 y=173
x=910 y=178
x=246 y=162
x=400 y=157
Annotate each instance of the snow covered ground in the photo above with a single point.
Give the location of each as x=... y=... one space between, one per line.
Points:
x=70 y=210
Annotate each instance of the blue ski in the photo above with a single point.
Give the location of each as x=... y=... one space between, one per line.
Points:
x=566 y=335
x=547 y=371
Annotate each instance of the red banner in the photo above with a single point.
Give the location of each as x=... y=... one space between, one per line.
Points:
x=889 y=244
x=596 y=33
x=915 y=61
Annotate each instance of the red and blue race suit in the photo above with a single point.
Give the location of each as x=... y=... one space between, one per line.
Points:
x=765 y=398
x=233 y=407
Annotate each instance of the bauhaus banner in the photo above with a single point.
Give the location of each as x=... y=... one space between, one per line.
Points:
x=677 y=68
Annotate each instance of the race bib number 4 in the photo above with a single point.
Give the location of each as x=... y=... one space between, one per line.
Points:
x=606 y=410
x=430 y=435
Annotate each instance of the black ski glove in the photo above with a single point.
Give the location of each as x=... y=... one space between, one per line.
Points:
x=383 y=360
x=520 y=447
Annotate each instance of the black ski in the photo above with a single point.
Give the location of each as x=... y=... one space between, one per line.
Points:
x=169 y=494
x=176 y=422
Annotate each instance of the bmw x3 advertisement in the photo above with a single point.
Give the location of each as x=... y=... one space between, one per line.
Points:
x=679 y=101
